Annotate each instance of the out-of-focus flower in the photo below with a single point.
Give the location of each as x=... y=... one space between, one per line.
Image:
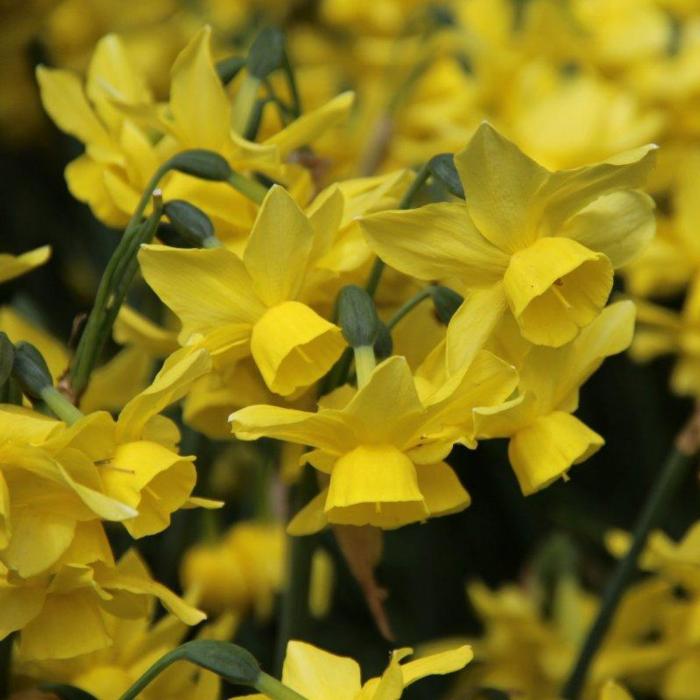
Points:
x=12 y=266
x=241 y=571
x=64 y=615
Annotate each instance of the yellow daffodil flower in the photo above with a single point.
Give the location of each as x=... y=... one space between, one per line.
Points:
x=544 y=244
x=319 y=675
x=545 y=439
x=662 y=332
x=134 y=459
x=241 y=571
x=237 y=308
x=137 y=643
x=64 y=615
x=12 y=266
x=383 y=449
x=119 y=156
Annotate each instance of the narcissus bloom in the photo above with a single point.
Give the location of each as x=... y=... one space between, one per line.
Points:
x=134 y=460
x=665 y=332
x=545 y=439
x=12 y=266
x=545 y=243
x=383 y=447
x=318 y=675
x=137 y=643
x=254 y=306
x=63 y=615
x=243 y=570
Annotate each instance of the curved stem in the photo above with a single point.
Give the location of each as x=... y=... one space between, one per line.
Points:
x=409 y=306
x=671 y=476
x=274 y=689
x=406 y=203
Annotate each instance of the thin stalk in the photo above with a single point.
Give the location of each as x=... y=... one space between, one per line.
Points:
x=406 y=202
x=365 y=362
x=250 y=188
x=409 y=306
x=5 y=665
x=274 y=689
x=92 y=340
x=672 y=474
x=60 y=406
x=294 y=608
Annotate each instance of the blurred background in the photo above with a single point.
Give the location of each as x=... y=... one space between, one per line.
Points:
x=571 y=82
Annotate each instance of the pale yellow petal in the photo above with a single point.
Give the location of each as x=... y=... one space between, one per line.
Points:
x=545 y=450
x=198 y=100
x=278 y=249
x=500 y=183
x=12 y=266
x=442 y=663
x=318 y=675
x=435 y=242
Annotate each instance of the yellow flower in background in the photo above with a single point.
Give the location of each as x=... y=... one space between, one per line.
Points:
x=238 y=308
x=241 y=571
x=118 y=152
x=544 y=244
x=319 y=675
x=384 y=447
x=66 y=614
x=12 y=266
x=614 y=691
x=545 y=438
x=137 y=643
x=673 y=257
x=665 y=332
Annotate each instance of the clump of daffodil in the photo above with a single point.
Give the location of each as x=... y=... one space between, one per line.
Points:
x=63 y=481
x=116 y=117
x=252 y=306
x=545 y=439
x=67 y=613
x=137 y=643
x=242 y=571
x=657 y=616
x=383 y=447
x=319 y=675
x=543 y=244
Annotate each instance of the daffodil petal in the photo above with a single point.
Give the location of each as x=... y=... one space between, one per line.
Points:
x=12 y=266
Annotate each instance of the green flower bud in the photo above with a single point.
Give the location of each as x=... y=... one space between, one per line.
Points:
x=357 y=316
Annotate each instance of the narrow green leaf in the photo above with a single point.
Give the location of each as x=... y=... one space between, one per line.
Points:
x=442 y=167
x=267 y=53
x=229 y=661
x=229 y=68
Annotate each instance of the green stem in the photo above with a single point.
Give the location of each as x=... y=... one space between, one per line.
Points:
x=275 y=690
x=365 y=362
x=409 y=306
x=670 y=478
x=294 y=609
x=406 y=202
x=250 y=188
x=60 y=406
x=6 y=665
x=93 y=337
